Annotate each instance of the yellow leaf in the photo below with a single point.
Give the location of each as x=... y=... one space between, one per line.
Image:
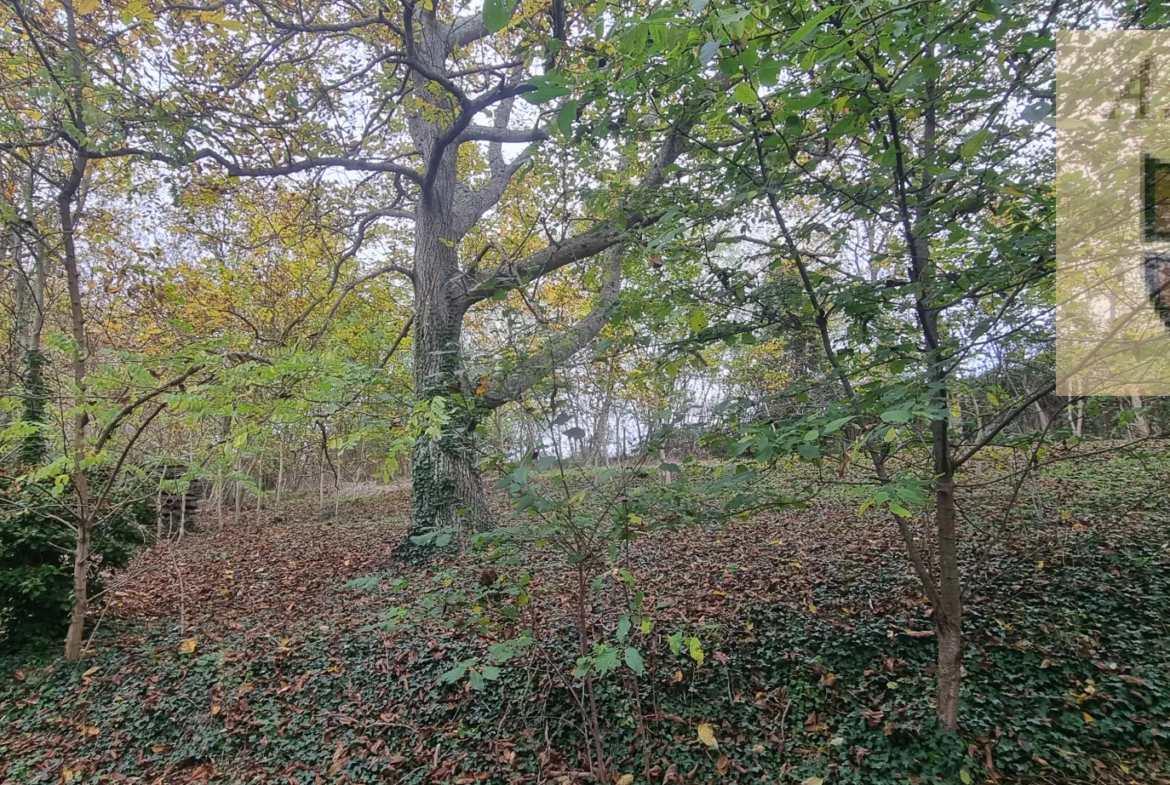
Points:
x=813 y=781
x=626 y=779
x=1040 y=565
x=484 y=384
x=707 y=735
x=187 y=646
x=812 y=607
x=776 y=542
x=798 y=565
x=965 y=776
x=1066 y=515
x=1088 y=717
x=215 y=709
x=86 y=6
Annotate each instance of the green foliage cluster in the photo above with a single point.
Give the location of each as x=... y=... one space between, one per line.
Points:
x=36 y=564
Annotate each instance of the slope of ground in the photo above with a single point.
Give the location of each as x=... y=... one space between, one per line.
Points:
x=793 y=647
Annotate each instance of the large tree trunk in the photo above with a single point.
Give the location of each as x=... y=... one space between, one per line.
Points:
x=446 y=488
x=445 y=481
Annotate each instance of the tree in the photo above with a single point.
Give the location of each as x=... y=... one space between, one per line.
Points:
x=419 y=102
x=82 y=111
x=928 y=121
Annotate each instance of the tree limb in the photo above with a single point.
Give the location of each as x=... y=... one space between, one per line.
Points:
x=560 y=349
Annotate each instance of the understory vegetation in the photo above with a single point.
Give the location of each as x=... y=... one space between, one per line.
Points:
x=788 y=646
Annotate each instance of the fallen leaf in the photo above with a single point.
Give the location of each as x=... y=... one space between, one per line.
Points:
x=187 y=646
x=707 y=735
x=626 y=779
x=813 y=781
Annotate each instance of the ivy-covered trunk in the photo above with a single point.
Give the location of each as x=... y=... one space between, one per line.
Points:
x=30 y=322
x=32 y=447
x=445 y=482
x=447 y=492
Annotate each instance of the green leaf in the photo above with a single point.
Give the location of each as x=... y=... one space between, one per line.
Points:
x=634 y=660
x=896 y=415
x=769 y=72
x=802 y=102
x=567 y=116
x=623 y=627
x=970 y=148
x=695 y=648
x=745 y=93
x=809 y=26
x=835 y=425
x=707 y=52
x=607 y=660
x=675 y=641
x=575 y=433
x=548 y=87
x=454 y=674
x=475 y=678
x=496 y=14
x=809 y=452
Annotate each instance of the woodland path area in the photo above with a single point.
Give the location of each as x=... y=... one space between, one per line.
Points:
x=263 y=654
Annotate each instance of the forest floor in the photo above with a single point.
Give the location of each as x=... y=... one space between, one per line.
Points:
x=295 y=649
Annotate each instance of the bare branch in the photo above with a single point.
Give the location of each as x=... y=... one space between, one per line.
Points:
x=560 y=349
x=129 y=408
x=483 y=133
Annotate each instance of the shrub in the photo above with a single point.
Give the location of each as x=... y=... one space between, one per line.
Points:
x=36 y=555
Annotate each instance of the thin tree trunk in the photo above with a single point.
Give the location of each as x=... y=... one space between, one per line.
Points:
x=30 y=314
x=279 y=473
x=949 y=613
x=239 y=502
x=75 y=634
x=1141 y=425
